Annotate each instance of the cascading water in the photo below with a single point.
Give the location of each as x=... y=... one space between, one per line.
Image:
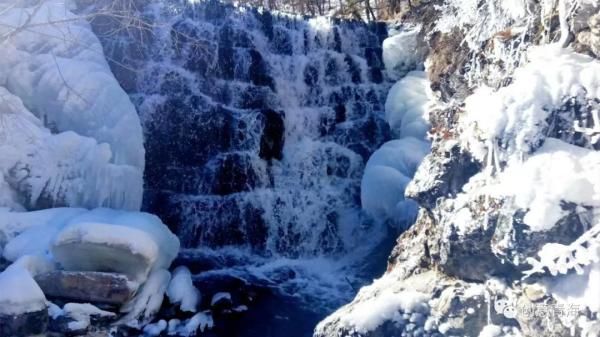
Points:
x=258 y=127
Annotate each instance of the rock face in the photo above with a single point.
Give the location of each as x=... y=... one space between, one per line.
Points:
x=85 y=287
x=469 y=252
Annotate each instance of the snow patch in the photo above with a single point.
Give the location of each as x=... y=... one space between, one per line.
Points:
x=515 y=115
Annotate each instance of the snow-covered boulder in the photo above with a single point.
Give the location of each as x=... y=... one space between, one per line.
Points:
x=113 y=241
x=20 y=293
x=105 y=247
x=22 y=303
x=98 y=240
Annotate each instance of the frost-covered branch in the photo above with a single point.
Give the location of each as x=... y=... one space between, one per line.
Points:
x=559 y=259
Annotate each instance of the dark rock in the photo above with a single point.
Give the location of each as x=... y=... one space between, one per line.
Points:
x=282 y=42
x=514 y=240
x=226 y=64
x=216 y=221
x=25 y=324
x=236 y=172
x=258 y=71
x=94 y=287
x=441 y=175
x=221 y=302
x=353 y=69
x=272 y=139
x=311 y=75
x=374 y=57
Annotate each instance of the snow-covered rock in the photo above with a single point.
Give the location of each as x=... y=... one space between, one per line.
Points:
x=22 y=303
x=90 y=246
x=509 y=215
x=20 y=293
x=97 y=240
x=76 y=318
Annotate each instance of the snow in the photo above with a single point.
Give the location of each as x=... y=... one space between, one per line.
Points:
x=391 y=167
x=189 y=327
x=20 y=294
x=72 y=140
x=402 y=52
x=408 y=104
x=516 y=114
x=387 y=306
x=491 y=331
x=100 y=239
x=575 y=289
x=556 y=172
x=181 y=290
x=81 y=314
x=156 y=328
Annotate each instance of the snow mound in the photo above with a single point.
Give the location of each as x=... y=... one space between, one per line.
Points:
x=515 y=116
x=557 y=172
x=97 y=240
x=70 y=140
x=386 y=175
x=372 y=313
x=181 y=290
x=104 y=247
x=20 y=294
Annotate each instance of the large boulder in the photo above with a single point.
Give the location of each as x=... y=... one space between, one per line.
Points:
x=86 y=287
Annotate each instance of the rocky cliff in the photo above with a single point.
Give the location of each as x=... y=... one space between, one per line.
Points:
x=505 y=242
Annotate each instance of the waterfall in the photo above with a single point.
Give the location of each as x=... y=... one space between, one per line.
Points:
x=257 y=125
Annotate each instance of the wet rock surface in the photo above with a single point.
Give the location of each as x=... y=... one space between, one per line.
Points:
x=84 y=287
x=26 y=324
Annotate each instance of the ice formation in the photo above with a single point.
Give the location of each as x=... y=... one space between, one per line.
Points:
x=68 y=140
x=181 y=290
x=142 y=308
x=80 y=314
x=392 y=166
x=402 y=52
